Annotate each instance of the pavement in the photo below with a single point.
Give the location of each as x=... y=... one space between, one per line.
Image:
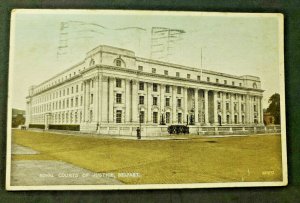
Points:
x=48 y=172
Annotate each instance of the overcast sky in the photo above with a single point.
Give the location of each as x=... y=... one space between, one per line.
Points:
x=239 y=45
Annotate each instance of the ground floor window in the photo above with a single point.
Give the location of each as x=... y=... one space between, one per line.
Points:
x=179 y=117
x=119 y=116
x=243 y=119
x=235 y=119
x=167 y=117
x=142 y=116
x=155 y=120
x=227 y=119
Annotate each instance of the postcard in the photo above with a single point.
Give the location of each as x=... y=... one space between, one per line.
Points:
x=128 y=99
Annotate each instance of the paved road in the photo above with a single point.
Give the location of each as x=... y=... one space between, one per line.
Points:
x=46 y=172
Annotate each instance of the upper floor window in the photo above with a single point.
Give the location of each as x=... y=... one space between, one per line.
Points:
x=140 y=68
x=188 y=76
x=198 y=77
x=118 y=82
x=177 y=74
x=119 y=98
x=217 y=80
x=154 y=87
x=178 y=102
x=154 y=100
x=219 y=94
x=233 y=83
x=141 y=86
x=178 y=90
x=167 y=89
x=166 y=72
x=225 y=82
x=141 y=99
x=208 y=79
x=153 y=70
x=254 y=85
x=240 y=84
x=167 y=101
x=118 y=62
x=92 y=62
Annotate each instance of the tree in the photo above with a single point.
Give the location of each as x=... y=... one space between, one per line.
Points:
x=274 y=107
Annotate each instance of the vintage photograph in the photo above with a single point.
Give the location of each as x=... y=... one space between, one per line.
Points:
x=127 y=99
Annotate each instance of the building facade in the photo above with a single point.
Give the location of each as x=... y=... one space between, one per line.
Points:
x=112 y=87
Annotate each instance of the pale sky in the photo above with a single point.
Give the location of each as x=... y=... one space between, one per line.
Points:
x=238 y=45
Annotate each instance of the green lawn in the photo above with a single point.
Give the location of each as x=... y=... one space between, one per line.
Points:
x=197 y=160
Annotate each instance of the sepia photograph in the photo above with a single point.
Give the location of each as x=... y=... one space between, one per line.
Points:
x=128 y=99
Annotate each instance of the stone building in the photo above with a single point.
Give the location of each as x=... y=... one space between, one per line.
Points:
x=113 y=91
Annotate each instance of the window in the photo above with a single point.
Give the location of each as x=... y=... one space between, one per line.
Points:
x=235 y=106
x=154 y=87
x=118 y=62
x=119 y=116
x=227 y=96
x=71 y=102
x=76 y=101
x=81 y=100
x=141 y=99
x=254 y=85
x=254 y=107
x=178 y=102
x=234 y=96
x=142 y=116
x=232 y=83
x=219 y=94
x=167 y=89
x=166 y=72
x=119 y=98
x=167 y=101
x=219 y=105
x=227 y=106
x=242 y=97
x=227 y=118
x=72 y=90
x=178 y=90
x=141 y=86
x=118 y=82
x=75 y=117
x=198 y=77
x=177 y=74
x=167 y=117
x=242 y=107
x=188 y=76
x=153 y=70
x=240 y=84
x=92 y=98
x=155 y=117
x=179 y=116
x=208 y=79
x=217 y=80
x=140 y=68
x=225 y=82
x=154 y=100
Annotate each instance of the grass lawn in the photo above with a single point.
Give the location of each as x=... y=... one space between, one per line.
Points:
x=197 y=160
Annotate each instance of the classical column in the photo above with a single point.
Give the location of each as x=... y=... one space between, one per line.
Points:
x=247 y=109
x=232 y=108
x=185 y=111
x=215 y=108
x=174 y=105
x=206 y=106
x=111 y=100
x=96 y=103
x=134 y=99
x=261 y=111
x=240 y=109
x=127 y=100
x=196 y=106
x=250 y=110
x=149 y=103
x=162 y=102
x=99 y=98
x=224 y=108
x=104 y=96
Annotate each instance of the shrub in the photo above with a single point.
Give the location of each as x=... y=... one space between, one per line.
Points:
x=178 y=129
x=40 y=126
x=65 y=127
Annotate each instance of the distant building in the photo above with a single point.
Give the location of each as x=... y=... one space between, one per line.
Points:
x=112 y=87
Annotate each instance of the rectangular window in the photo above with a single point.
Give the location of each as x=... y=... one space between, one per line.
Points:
x=179 y=117
x=240 y=84
x=141 y=100
x=167 y=117
x=188 y=76
x=227 y=106
x=154 y=87
x=140 y=68
x=217 y=80
x=81 y=100
x=232 y=83
x=118 y=82
x=219 y=94
x=225 y=82
x=166 y=72
x=141 y=86
x=119 y=116
x=76 y=88
x=119 y=98
x=142 y=116
x=242 y=107
x=177 y=74
x=254 y=107
x=153 y=70
x=178 y=90
x=219 y=105
x=227 y=96
x=167 y=101
x=155 y=117
x=155 y=101
x=76 y=101
x=167 y=89
x=208 y=79
x=198 y=77
x=72 y=90
x=178 y=102
x=235 y=106
x=92 y=98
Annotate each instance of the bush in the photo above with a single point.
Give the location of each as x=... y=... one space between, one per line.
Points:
x=178 y=129
x=40 y=126
x=65 y=127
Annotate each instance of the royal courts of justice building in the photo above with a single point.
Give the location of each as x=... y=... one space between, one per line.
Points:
x=113 y=91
